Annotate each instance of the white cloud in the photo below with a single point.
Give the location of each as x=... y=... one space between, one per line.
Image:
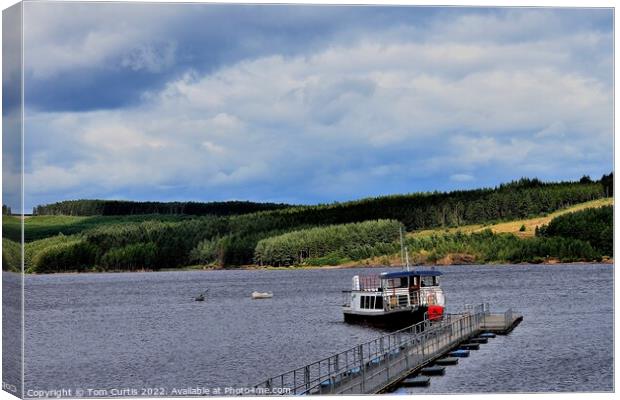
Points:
x=332 y=121
x=213 y=148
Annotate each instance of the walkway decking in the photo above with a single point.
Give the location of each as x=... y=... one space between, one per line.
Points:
x=374 y=366
x=501 y=323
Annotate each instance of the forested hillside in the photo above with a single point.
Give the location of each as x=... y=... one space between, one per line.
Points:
x=585 y=235
x=516 y=199
x=488 y=247
x=593 y=225
x=354 y=241
x=167 y=240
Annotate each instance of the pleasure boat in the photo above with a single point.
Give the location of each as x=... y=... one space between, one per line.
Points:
x=394 y=299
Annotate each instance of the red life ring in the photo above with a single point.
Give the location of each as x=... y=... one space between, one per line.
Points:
x=435 y=312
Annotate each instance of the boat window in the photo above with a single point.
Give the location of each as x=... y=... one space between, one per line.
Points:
x=366 y=302
x=371 y=302
x=427 y=281
x=379 y=303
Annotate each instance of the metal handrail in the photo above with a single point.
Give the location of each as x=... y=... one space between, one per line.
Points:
x=373 y=357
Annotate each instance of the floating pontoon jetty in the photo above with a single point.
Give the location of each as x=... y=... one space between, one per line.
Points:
x=382 y=363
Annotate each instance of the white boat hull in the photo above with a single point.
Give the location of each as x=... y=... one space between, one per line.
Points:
x=263 y=295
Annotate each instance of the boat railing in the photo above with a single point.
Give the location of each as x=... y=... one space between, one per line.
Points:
x=370 y=282
x=401 y=299
x=359 y=363
x=482 y=308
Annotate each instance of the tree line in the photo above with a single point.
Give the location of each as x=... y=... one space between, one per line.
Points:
x=521 y=198
x=120 y=207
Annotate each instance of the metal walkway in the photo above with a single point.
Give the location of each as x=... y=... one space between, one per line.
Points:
x=373 y=366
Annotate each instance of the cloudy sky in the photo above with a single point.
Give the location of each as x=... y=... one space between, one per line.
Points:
x=308 y=104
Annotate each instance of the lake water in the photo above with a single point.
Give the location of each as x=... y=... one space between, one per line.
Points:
x=143 y=330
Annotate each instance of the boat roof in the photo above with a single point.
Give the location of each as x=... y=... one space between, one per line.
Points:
x=403 y=274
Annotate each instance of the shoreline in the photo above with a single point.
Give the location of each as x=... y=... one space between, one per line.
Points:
x=308 y=267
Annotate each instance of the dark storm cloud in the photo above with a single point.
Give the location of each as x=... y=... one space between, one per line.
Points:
x=204 y=38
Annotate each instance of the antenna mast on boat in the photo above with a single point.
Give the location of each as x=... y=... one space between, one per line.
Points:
x=404 y=252
x=407 y=257
x=402 y=247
